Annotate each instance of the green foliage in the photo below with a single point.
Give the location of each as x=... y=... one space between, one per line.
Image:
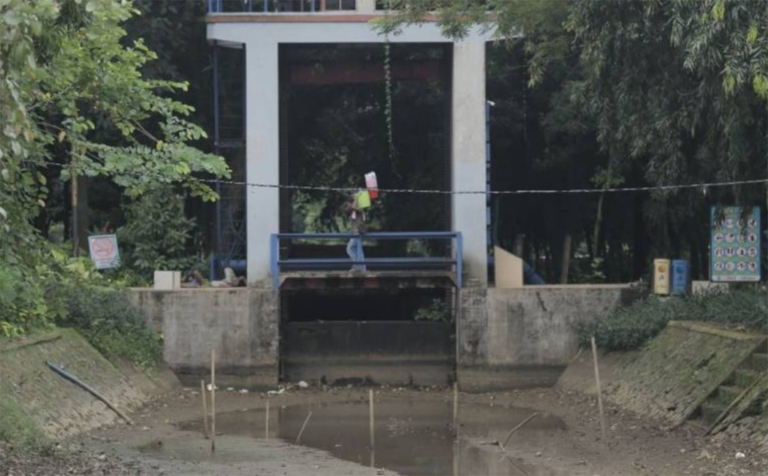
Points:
x=157 y=234
x=630 y=327
x=69 y=292
x=75 y=99
x=110 y=323
x=22 y=304
x=437 y=311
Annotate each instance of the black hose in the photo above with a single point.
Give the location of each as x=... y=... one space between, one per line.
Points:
x=68 y=376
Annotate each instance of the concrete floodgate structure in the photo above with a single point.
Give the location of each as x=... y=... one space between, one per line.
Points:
x=506 y=338
x=324 y=324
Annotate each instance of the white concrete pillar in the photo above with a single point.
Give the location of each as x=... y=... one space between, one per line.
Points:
x=468 y=154
x=366 y=6
x=263 y=153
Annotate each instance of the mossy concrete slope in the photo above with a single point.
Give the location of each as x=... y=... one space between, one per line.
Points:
x=57 y=406
x=675 y=372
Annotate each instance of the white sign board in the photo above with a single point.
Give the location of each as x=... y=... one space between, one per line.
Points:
x=104 y=251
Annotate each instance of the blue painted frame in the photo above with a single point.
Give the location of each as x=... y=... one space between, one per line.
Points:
x=276 y=263
x=217 y=6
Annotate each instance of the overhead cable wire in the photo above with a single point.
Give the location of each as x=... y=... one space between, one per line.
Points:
x=650 y=188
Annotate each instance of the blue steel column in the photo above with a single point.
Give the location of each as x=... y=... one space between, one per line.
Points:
x=275 y=264
x=216 y=149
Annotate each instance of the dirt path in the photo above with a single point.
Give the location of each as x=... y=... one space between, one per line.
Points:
x=563 y=440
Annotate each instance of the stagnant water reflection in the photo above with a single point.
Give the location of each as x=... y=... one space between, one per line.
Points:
x=411 y=437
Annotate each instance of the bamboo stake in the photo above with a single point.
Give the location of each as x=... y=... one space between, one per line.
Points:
x=599 y=390
x=266 y=426
x=213 y=400
x=205 y=410
x=455 y=409
x=298 y=438
x=370 y=399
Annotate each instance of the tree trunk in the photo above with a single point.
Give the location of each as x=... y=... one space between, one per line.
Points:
x=75 y=214
x=80 y=212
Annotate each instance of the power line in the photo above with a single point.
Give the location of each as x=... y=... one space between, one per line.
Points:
x=463 y=192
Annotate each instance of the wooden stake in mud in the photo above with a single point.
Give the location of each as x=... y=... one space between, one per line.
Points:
x=298 y=438
x=370 y=399
x=213 y=400
x=599 y=390
x=455 y=408
x=205 y=410
x=266 y=425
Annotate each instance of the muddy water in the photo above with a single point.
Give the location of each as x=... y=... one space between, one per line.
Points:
x=411 y=437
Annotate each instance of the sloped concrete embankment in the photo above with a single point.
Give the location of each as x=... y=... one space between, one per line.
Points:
x=58 y=407
x=684 y=375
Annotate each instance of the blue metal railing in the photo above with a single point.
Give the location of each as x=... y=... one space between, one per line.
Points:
x=267 y=6
x=455 y=262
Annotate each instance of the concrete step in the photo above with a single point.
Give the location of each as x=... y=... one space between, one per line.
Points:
x=759 y=362
x=710 y=411
x=743 y=378
x=725 y=394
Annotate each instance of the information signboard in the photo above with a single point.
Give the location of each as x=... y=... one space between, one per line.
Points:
x=735 y=246
x=104 y=251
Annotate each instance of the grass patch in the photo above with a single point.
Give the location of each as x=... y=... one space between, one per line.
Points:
x=630 y=327
x=18 y=429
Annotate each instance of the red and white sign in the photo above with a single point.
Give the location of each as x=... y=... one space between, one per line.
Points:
x=104 y=251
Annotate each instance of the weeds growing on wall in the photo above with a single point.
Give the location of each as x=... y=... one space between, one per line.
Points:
x=630 y=327
x=436 y=311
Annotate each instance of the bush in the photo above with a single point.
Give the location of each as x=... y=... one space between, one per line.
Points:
x=22 y=304
x=157 y=234
x=110 y=323
x=630 y=327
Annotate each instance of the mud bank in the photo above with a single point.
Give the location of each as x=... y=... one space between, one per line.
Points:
x=414 y=436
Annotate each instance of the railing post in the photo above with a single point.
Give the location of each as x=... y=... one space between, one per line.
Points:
x=459 y=259
x=250 y=6
x=265 y=8
x=275 y=255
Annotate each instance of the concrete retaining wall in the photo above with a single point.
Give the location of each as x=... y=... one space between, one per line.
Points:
x=241 y=324
x=524 y=337
x=507 y=338
x=391 y=352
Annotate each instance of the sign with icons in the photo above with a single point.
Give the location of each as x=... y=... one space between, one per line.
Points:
x=104 y=251
x=735 y=244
